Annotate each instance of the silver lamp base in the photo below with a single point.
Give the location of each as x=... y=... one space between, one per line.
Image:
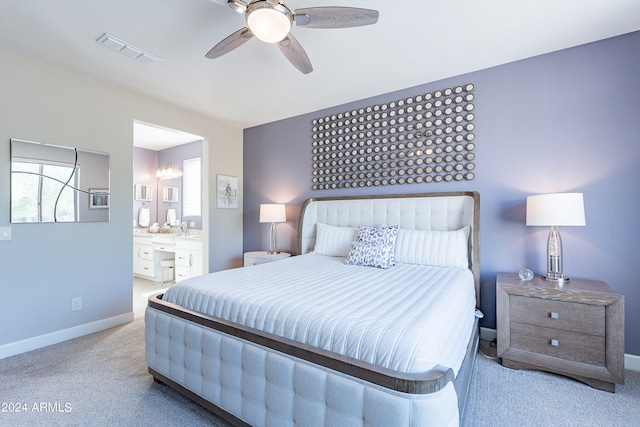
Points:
x=554 y=257
x=273 y=240
x=556 y=279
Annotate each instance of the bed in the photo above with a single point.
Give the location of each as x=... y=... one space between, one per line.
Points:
x=331 y=336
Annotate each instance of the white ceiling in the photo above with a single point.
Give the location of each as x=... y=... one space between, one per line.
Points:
x=414 y=42
x=154 y=137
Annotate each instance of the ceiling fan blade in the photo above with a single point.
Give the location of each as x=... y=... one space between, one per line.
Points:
x=235 y=40
x=335 y=17
x=294 y=52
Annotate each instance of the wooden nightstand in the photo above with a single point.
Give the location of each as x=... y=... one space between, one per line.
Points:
x=574 y=329
x=261 y=257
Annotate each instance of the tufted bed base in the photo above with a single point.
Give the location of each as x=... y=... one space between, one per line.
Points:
x=250 y=377
x=260 y=384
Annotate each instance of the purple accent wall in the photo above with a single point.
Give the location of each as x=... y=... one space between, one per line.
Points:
x=145 y=163
x=568 y=121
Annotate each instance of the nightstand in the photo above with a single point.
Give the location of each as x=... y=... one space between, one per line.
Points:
x=261 y=257
x=574 y=329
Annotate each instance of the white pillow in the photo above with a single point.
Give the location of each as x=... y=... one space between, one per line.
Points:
x=435 y=248
x=334 y=241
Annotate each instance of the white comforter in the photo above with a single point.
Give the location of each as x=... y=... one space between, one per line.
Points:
x=408 y=318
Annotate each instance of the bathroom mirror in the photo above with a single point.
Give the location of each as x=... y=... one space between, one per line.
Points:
x=170 y=194
x=51 y=183
x=144 y=193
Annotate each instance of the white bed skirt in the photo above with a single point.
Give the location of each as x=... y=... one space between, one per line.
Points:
x=264 y=387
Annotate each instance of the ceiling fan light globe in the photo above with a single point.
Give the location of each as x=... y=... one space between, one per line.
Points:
x=269 y=23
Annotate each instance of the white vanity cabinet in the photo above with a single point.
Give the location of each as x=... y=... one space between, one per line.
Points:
x=150 y=249
x=143 y=260
x=189 y=262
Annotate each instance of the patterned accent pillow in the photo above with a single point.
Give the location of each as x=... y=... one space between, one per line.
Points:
x=382 y=234
x=368 y=255
x=375 y=246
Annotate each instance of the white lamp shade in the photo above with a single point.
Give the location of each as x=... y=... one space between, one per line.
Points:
x=272 y=212
x=558 y=209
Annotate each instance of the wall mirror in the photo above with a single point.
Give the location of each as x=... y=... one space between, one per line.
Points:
x=170 y=194
x=144 y=192
x=51 y=183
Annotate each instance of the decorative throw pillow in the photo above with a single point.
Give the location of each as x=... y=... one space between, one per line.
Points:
x=435 y=248
x=375 y=246
x=368 y=255
x=334 y=241
x=385 y=234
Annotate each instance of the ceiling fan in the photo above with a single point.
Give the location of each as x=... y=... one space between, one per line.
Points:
x=271 y=22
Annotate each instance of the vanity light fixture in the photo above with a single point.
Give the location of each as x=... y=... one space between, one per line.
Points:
x=127 y=49
x=165 y=172
x=554 y=210
x=273 y=212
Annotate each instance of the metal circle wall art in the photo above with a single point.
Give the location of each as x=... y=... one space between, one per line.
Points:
x=424 y=138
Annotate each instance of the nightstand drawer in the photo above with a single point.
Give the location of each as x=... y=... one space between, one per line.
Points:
x=568 y=345
x=570 y=316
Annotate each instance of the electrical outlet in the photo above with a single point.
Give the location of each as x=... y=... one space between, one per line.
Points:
x=76 y=304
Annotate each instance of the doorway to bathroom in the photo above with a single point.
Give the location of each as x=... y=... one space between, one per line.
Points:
x=169 y=209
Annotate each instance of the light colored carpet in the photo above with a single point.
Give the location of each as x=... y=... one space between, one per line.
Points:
x=102 y=380
x=502 y=397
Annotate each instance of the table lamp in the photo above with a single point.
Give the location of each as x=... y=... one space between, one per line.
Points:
x=558 y=209
x=273 y=212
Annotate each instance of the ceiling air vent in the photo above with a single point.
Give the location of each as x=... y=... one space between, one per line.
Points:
x=127 y=49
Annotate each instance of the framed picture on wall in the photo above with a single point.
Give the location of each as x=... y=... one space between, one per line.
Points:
x=227 y=191
x=98 y=198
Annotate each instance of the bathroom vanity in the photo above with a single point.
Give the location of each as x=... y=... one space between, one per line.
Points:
x=149 y=249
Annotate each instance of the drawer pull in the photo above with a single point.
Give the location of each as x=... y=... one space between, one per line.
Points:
x=554 y=343
x=553 y=315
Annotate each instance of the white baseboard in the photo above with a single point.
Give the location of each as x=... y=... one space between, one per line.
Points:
x=488 y=334
x=631 y=361
x=18 y=347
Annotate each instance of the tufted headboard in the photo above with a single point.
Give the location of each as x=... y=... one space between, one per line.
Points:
x=427 y=211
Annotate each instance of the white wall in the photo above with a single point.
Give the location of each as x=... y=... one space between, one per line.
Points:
x=44 y=266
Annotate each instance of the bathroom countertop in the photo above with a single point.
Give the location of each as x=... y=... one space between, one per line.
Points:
x=168 y=237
